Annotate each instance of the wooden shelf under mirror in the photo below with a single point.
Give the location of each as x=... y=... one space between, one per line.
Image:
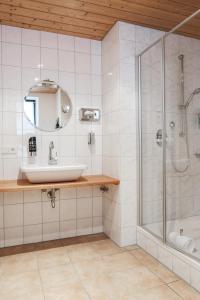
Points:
x=25 y=185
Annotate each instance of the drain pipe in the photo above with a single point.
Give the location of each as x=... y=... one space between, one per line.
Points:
x=52 y=196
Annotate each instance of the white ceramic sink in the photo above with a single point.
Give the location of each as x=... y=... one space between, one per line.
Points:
x=53 y=173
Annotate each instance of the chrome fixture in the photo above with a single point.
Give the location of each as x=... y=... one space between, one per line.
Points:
x=184 y=124
x=159 y=137
x=91 y=138
x=183 y=106
x=198 y=116
x=172 y=124
x=32 y=147
x=52 y=196
x=104 y=189
x=53 y=160
x=89 y=114
x=182 y=87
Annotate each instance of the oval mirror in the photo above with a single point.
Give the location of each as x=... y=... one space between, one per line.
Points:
x=47 y=106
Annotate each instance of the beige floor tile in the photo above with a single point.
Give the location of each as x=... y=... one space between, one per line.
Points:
x=52 y=257
x=69 y=291
x=131 y=247
x=121 y=285
x=90 y=251
x=144 y=257
x=18 y=263
x=120 y=262
x=136 y=279
x=106 y=264
x=81 y=252
x=92 y=271
x=184 y=290
x=20 y=295
x=106 y=247
x=86 y=269
x=163 y=273
x=26 y=282
x=157 y=293
x=100 y=287
x=56 y=276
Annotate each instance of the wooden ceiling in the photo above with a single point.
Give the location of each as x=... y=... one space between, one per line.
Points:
x=93 y=18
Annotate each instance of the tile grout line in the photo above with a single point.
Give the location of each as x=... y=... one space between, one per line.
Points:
x=175 y=292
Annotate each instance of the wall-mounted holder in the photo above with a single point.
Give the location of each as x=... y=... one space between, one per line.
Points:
x=91 y=138
x=89 y=114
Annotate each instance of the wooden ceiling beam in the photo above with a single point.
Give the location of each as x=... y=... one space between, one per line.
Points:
x=36 y=27
x=193 y=3
x=167 y=5
x=51 y=25
x=62 y=11
x=94 y=18
x=17 y=10
x=151 y=20
x=139 y=9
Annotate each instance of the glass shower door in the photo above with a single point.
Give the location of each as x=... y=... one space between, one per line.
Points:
x=151 y=160
x=182 y=94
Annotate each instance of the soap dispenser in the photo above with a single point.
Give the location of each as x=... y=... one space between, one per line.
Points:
x=32 y=147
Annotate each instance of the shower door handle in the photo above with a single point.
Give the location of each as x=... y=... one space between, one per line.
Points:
x=159 y=137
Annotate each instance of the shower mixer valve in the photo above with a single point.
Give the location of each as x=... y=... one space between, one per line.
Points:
x=159 y=137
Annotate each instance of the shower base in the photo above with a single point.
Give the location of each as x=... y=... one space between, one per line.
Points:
x=190 y=227
x=184 y=266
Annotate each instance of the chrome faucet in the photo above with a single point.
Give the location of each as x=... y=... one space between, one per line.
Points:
x=52 y=160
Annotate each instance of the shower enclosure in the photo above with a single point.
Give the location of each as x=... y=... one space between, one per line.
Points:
x=169 y=134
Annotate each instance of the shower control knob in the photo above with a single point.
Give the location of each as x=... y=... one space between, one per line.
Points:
x=159 y=137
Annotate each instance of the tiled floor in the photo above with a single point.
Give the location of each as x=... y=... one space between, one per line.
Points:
x=97 y=270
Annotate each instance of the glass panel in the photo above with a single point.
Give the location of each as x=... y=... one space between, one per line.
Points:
x=151 y=131
x=182 y=84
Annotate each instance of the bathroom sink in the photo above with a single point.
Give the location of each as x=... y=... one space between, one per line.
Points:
x=53 y=173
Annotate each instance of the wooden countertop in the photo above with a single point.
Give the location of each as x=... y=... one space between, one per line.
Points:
x=25 y=185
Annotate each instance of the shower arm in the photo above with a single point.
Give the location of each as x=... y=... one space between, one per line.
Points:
x=190 y=98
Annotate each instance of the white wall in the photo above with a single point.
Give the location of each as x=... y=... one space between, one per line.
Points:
x=75 y=63
x=119 y=48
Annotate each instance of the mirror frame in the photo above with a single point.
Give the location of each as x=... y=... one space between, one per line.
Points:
x=69 y=112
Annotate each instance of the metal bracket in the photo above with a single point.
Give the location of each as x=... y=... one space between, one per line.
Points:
x=104 y=188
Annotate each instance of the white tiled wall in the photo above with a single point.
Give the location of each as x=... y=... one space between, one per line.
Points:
x=27 y=56
x=119 y=48
x=28 y=217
